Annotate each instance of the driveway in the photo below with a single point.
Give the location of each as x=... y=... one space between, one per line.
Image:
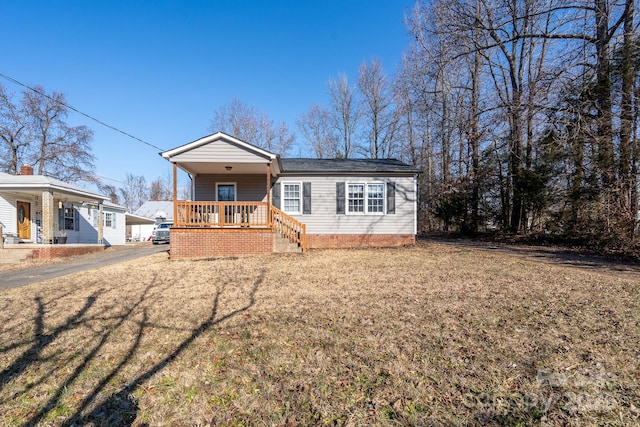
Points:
x=37 y=273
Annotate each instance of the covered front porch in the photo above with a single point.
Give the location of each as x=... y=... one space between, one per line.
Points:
x=42 y=210
x=239 y=216
x=231 y=200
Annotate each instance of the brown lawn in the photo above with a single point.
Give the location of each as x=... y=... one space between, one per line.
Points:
x=428 y=335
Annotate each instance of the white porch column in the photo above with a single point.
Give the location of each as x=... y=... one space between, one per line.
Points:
x=175 y=193
x=48 y=213
x=269 y=194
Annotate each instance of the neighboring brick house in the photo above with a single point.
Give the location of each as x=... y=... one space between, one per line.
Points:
x=246 y=200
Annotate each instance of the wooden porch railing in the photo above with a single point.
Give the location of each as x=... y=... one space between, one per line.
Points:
x=221 y=214
x=240 y=214
x=289 y=227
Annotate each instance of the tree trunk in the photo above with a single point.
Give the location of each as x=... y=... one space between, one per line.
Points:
x=606 y=159
x=626 y=117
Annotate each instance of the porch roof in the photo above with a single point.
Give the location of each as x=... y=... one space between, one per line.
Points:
x=223 y=154
x=32 y=184
x=132 y=219
x=153 y=209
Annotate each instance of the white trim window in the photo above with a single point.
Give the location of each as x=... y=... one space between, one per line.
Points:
x=69 y=218
x=375 y=198
x=292 y=197
x=108 y=220
x=365 y=198
x=355 y=198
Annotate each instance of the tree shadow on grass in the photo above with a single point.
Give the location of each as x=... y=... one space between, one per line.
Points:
x=120 y=408
x=42 y=340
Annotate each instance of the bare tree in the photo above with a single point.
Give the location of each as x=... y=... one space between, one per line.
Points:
x=628 y=156
x=14 y=140
x=34 y=130
x=161 y=189
x=237 y=119
x=276 y=138
x=111 y=191
x=58 y=150
x=246 y=123
x=378 y=109
x=134 y=192
x=345 y=113
x=315 y=125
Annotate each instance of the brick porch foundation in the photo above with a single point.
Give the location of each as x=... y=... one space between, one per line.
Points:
x=191 y=243
x=326 y=241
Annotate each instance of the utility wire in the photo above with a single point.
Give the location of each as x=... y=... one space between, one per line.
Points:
x=95 y=175
x=80 y=112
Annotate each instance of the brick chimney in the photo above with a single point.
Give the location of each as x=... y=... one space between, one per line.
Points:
x=26 y=169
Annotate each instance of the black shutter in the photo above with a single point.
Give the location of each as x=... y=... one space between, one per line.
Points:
x=339 y=197
x=275 y=195
x=306 y=198
x=61 y=219
x=76 y=220
x=391 y=197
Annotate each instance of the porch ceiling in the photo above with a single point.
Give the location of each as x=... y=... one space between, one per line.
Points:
x=221 y=168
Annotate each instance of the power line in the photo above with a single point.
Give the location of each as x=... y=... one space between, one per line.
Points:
x=80 y=112
x=95 y=175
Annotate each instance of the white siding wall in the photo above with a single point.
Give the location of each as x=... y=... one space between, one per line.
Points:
x=88 y=233
x=8 y=218
x=8 y=214
x=115 y=235
x=324 y=220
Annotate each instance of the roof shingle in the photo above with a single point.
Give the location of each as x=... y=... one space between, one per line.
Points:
x=291 y=165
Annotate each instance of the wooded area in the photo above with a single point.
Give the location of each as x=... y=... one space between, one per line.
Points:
x=521 y=114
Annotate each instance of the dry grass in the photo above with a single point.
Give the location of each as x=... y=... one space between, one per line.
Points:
x=430 y=335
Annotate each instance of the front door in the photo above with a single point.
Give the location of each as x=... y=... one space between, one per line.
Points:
x=24 y=220
x=227 y=193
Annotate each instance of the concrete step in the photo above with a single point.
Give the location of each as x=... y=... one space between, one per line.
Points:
x=283 y=245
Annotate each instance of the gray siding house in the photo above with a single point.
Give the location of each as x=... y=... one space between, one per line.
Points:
x=247 y=200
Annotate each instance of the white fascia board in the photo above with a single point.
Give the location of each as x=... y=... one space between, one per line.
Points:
x=139 y=220
x=214 y=137
x=53 y=187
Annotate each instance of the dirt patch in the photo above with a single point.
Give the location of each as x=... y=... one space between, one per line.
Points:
x=429 y=335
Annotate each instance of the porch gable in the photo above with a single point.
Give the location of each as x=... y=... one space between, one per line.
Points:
x=221 y=153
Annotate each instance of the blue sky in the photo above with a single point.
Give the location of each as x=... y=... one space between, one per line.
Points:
x=159 y=69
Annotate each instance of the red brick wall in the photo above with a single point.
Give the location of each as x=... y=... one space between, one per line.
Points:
x=189 y=243
x=56 y=251
x=317 y=241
